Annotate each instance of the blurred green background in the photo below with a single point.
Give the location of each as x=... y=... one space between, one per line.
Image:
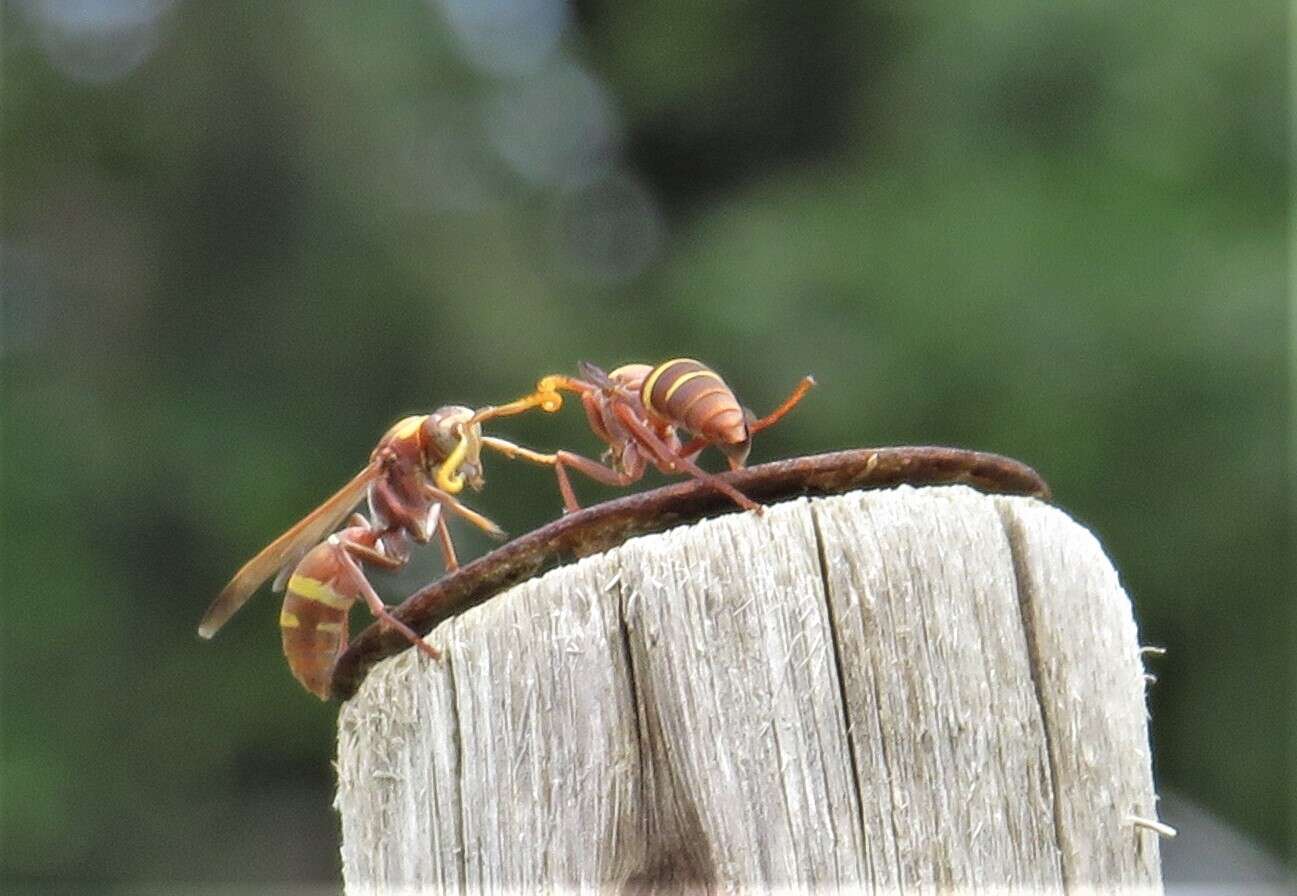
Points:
x=239 y=240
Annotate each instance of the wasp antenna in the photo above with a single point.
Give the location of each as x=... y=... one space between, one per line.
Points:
x=795 y=396
x=449 y=479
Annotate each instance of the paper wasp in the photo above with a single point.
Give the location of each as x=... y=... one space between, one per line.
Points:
x=638 y=411
x=414 y=473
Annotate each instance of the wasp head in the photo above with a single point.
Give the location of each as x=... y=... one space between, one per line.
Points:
x=454 y=448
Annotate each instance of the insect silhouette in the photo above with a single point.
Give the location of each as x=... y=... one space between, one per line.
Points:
x=411 y=480
x=639 y=410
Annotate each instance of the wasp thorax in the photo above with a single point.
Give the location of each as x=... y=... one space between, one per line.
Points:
x=631 y=375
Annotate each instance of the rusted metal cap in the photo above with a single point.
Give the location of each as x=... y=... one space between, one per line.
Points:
x=607 y=525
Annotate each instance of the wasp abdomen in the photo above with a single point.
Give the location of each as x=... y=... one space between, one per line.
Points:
x=314 y=627
x=691 y=394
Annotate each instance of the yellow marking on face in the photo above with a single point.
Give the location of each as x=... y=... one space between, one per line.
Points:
x=288 y=619
x=691 y=375
x=449 y=478
x=309 y=588
x=335 y=627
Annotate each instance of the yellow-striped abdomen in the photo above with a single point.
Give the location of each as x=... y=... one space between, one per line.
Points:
x=690 y=394
x=313 y=624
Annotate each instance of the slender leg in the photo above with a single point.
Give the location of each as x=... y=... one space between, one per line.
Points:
x=366 y=554
x=773 y=417
x=570 y=503
x=592 y=468
x=517 y=452
x=669 y=462
x=380 y=611
x=448 y=558
x=453 y=504
x=560 y=461
x=691 y=448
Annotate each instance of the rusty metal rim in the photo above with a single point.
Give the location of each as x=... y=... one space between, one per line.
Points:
x=607 y=525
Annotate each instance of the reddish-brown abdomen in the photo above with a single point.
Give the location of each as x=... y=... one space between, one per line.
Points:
x=692 y=395
x=314 y=627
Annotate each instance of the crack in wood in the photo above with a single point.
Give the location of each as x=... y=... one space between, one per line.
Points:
x=835 y=642
x=1026 y=602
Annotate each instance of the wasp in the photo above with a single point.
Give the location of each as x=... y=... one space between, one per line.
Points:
x=413 y=475
x=639 y=411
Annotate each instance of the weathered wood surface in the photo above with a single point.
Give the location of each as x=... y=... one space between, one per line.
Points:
x=604 y=526
x=927 y=689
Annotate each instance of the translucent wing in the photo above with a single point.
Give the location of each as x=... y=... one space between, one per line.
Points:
x=313 y=528
x=593 y=374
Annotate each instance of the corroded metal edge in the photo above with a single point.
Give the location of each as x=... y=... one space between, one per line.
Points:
x=607 y=525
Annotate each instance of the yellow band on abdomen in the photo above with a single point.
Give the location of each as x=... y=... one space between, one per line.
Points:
x=646 y=391
x=304 y=586
x=681 y=380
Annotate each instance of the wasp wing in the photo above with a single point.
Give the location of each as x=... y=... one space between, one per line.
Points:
x=312 y=528
x=594 y=375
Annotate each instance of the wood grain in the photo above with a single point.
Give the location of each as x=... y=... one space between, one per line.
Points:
x=920 y=689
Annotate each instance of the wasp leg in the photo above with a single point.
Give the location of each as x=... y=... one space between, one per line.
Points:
x=448 y=558
x=517 y=452
x=366 y=554
x=380 y=611
x=453 y=504
x=774 y=416
x=592 y=468
x=669 y=462
x=694 y=447
x=560 y=461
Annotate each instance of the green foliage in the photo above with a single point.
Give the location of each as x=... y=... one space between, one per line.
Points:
x=1050 y=231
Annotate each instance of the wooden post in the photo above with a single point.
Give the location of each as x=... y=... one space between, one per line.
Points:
x=914 y=688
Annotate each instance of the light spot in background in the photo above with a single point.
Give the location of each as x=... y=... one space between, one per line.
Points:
x=96 y=40
x=434 y=158
x=506 y=37
x=610 y=229
x=555 y=128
